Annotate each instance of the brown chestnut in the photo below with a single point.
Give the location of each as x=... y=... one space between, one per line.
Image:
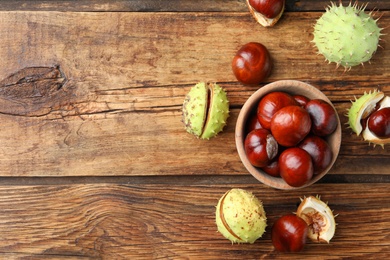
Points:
x=319 y=151
x=266 y=12
x=290 y=125
x=252 y=63
x=296 y=166
x=253 y=123
x=272 y=103
x=260 y=147
x=289 y=233
x=379 y=123
x=323 y=117
x=269 y=8
x=302 y=100
x=272 y=168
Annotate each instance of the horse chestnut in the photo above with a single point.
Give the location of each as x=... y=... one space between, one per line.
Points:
x=289 y=233
x=269 y=8
x=302 y=100
x=360 y=112
x=253 y=123
x=272 y=168
x=323 y=117
x=272 y=103
x=266 y=12
x=260 y=147
x=296 y=166
x=290 y=125
x=379 y=123
x=319 y=151
x=252 y=63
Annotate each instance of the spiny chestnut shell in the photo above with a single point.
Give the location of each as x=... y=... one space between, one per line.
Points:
x=319 y=217
x=361 y=110
x=205 y=110
x=346 y=35
x=240 y=216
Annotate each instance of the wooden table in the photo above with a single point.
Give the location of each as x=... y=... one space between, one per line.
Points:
x=95 y=162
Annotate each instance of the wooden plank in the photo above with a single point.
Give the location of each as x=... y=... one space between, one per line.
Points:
x=113 y=145
x=114 y=221
x=126 y=75
x=124 y=6
x=166 y=6
x=119 y=50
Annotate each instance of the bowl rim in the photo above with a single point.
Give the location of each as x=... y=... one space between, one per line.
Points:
x=289 y=86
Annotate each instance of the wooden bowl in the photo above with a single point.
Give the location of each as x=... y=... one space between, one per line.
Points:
x=292 y=87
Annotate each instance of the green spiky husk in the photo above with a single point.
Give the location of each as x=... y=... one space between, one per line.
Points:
x=361 y=108
x=218 y=112
x=240 y=216
x=205 y=110
x=346 y=35
x=194 y=109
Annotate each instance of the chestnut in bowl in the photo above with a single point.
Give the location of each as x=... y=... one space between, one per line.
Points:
x=292 y=87
x=260 y=147
x=319 y=151
x=323 y=116
x=290 y=125
x=272 y=103
x=296 y=166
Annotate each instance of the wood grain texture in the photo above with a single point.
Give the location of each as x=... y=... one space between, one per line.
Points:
x=166 y=6
x=119 y=111
x=94 y=160
x=109 y=221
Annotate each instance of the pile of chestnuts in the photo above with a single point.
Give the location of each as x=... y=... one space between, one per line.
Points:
x=286 y=136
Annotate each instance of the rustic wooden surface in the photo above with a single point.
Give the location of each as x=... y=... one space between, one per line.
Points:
x=95 y=162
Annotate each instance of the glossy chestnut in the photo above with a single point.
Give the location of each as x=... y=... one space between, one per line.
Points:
x=296 y=166
x=253 y=123
x=260 y=147
x=252 y=64
x=268 y=8
x=319 y=151
x=292 y=88
x=266 y=12
x=323 y=116
x=272 y=103
x=272 y=168
x=379 y=123
x=302 y=100
x=290 y=125
x=289 y=233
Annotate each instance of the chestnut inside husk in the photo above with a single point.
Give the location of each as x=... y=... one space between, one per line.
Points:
x=266 y=12
x=369 y=117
